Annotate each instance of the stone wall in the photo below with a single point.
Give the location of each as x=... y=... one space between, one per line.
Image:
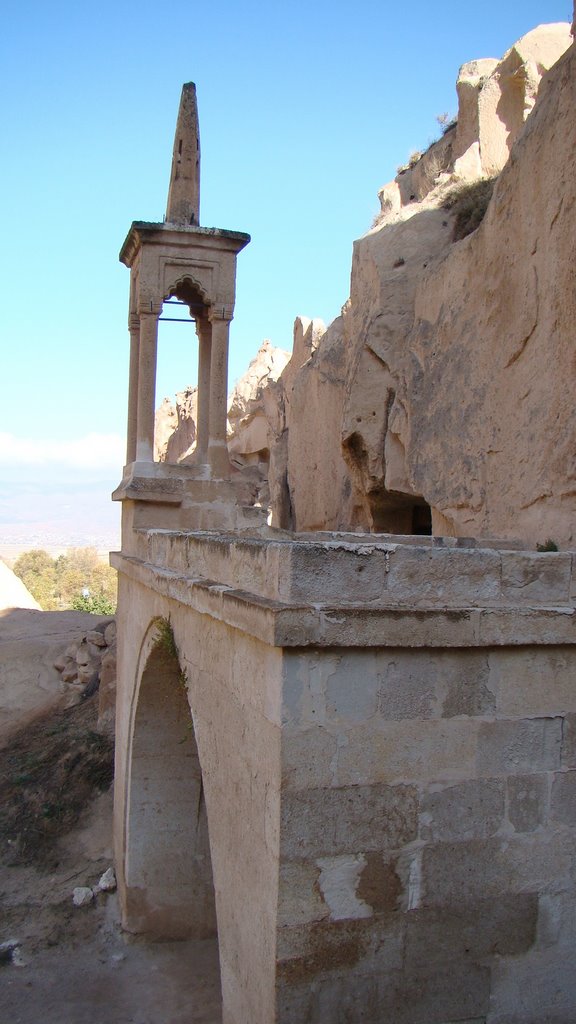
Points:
x=427 y=836
x=386 y=742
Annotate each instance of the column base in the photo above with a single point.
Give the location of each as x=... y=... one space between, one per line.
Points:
x=219 y=460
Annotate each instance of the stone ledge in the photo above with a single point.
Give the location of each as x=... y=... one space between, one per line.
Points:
x=367 y=570
x=281 y=624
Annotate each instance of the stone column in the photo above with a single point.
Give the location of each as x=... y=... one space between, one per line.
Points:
x=147 y=385
x=204 y=332
x=134 y=328
x=217 y=448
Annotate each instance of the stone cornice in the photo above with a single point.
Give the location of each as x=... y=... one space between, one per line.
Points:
x=284 y=624
x=220 y=239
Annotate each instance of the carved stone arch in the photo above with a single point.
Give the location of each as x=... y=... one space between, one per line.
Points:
x=169 y=891
x=188 y=288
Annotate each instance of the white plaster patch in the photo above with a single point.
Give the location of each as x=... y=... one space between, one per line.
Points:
x=338 y=882
x=415 y=883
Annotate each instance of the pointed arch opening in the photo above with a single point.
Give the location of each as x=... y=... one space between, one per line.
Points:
x=183 y=374
x=168 y=870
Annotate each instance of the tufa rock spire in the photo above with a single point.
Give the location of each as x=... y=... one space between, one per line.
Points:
x=184 y=193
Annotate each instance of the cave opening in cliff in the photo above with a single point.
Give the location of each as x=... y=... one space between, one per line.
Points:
x=422 y=520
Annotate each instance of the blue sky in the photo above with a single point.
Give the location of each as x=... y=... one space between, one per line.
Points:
x=306 y=109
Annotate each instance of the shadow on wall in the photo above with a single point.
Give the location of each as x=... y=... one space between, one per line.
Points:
x=168 y=871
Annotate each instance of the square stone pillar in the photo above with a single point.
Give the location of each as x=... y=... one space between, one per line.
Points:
x=148 y=346
x=134 y=328
x=204 y=332
x=217 y=447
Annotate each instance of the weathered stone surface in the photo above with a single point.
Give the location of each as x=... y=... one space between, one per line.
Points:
x=96 y=638
x=527 y=801
x=13 y=593
x=534 y=682
x=469 y=810
x=345 y=820
x=386 y=378
x=82 y=896
x=110 y=633
x=324 y=947
x=504 y=926
x=569 y=741
x=519 y=747
x=299 y=898
x=175 y=427
x=563 y=798
x=535 y=988
x=481 y=868
x=107 y=881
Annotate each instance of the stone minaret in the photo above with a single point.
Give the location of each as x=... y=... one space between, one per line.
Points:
x=184 y=193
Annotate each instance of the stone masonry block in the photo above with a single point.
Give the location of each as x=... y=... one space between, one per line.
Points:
x=533 y=681
x=299 y=897
x=563 y=798
x=569 y=741
x=308 y=758
x=539 y=578
x=352 y=999
x=456 y=873
x=325 y=573
x=409 y=751
x=444 y=577
x=406 y=685
x=466 y=810
x=457 y=996
x=519 y=747
x=455 y=993
x=539 y=988
x=325 y=948
x=352 y=687
x=527 y=801
x=464 y=682
x=328 y=822
x=502 y=926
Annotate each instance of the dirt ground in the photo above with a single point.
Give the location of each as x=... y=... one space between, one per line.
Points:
x=74 y=965
x=79 y=967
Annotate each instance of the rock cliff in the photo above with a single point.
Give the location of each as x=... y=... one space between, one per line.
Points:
x=175 y=425
x=441 y=398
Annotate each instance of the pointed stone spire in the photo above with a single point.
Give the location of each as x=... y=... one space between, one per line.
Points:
x=184 y=192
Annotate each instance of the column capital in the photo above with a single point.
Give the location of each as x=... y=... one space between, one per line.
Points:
x=221 y=311
x=149 y=307
x=133 y=322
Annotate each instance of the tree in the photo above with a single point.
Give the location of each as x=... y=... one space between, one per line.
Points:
x=37 y=571
x=79 y=579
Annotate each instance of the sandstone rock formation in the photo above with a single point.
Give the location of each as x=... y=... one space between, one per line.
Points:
x=31 y=643
x=88 y=664
x=247 y=422
x=13 y=593
x=441 y=398
x=248 y=443
x=175 y=427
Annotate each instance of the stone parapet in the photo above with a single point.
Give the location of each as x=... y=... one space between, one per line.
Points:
x=370 y=571
x=241 y=603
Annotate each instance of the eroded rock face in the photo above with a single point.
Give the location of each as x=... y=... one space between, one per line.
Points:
x=440 y=399
x=247 y=423
x=248 y=441
x=310 y=485
x=492 y=422
x=13 y=593
x=175 y=427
